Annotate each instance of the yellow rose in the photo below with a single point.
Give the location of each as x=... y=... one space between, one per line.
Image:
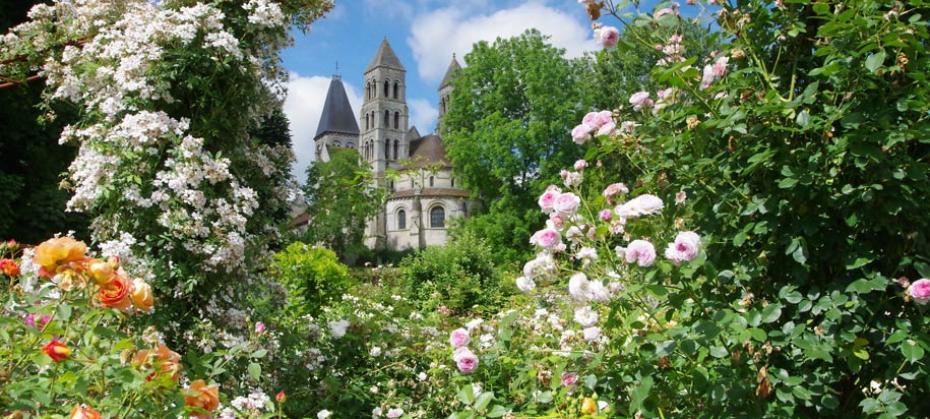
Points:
x=142 y=295
x=58 y=253
x=588 y=406
x=100 y=270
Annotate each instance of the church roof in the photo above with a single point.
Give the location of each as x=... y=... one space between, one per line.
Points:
x=450 y=72
x=385 y=57
x=412 y=134
x=337 y=113
x=428 y=150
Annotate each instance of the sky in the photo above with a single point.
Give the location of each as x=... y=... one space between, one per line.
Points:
x=424 y=34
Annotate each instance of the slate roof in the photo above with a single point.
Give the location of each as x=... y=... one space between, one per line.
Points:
x=428 y=150
x=337 y=113
x=450 y=73
x=412 y=134
x=385 y=57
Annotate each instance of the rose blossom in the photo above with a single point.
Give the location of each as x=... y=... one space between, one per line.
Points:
x=557 y=220
x=614 y=189
x=395 y=413
x=720 y=66
x=606 y=214
x=548 y=198
x=685 y=248
x=607 y=128
x=607 y=36
x=640 y=251
x=581 y=133
x=645 y=204
x=580 y=165
x=680 y=197
x=640 y=100
x=546 y=238
x=569 y=379
x=525 y=284
x=592 y=333
x=459 y=338
x=259 y=327
x=465 y=360
x=567 y=203
x=920 y=291
x=586 y=317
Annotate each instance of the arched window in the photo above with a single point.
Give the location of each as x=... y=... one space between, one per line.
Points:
x=395 y=90
x=437 y=217
x=443 y=105
x=396 y=120
x=401 y=220
x=337 y=144
x=368 y=89
x=396 y=144
x=366 y=121
x=387 y=119
x=373 y=120
x=431 y=179
x=386 y=87
x=387 y=149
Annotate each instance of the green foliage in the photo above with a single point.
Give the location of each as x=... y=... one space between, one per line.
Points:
x=313 y=277
x=505 y=128
x=460 y=276
x=341 y=200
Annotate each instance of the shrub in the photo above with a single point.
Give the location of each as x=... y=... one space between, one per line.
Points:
x=459 y=276
x=313 y=276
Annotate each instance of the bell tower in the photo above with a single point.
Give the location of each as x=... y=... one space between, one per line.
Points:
x=384 y=115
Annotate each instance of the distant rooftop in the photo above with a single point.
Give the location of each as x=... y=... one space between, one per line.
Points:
x=337 y=116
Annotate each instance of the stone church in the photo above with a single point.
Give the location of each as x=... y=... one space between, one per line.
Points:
x=423 y=193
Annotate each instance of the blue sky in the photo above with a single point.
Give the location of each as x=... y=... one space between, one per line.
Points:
x=424 y=34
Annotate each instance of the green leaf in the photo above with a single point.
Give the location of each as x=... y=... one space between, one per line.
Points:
x=260 y=353
x=497 y=411
x=771 y=313
x=640 y=393
x=466 y=395
x=255 y=371
x=64 y=312
x=874 y=61
x=718 y=352
x=858 y=263
x=912 y=351
x=483 y=400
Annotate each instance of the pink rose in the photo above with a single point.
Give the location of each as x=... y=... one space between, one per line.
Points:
x=708 y=78
x=581 y=133
x=459 y=338
x=720 y=66
x=548 y=198
x=640 y=100
x=259 y=327
x=590 y=119
x=920 y=291
x=671 y=10
x=569 y=379
x=680 y=197
x=603 y=118
x=627 y=127
x=613 y=189
x=607 y=128
x=606 y=214
x=581 y=165
x=567 y=203
x=685 y=247
x=465 y=360
x=546 y=238
x=557 y=220
x=640 y=251
x=607 y=36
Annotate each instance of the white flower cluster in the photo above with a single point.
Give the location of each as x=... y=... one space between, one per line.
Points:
x=264 y=13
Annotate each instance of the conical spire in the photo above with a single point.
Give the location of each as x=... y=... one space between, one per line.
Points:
x=385 y=57
x=450 y=72
x=337 y=113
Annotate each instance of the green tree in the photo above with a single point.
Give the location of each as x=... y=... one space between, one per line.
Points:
x=341 y=199
x=506 y=131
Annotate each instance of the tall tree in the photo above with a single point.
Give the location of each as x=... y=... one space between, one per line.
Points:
x=341 y=200
x=507 y=128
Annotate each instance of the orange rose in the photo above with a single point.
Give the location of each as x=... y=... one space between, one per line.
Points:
x=142 y=295
x=9 y=268
x=163 y=360
x=57 y=350
x=59 y=253
x=115 y=294
x=202 y=398
x=83 y=411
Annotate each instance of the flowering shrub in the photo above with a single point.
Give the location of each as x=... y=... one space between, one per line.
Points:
x=314 y=277
x=68 y=346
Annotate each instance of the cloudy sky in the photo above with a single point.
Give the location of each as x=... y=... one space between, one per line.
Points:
x=424 y=34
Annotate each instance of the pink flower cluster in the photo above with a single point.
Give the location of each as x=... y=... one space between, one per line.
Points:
x=714 y=71
x=459 y=338
x=465 y=360
x=674 y=51
x=641 y=252
x=673 y=10
x=594 y=123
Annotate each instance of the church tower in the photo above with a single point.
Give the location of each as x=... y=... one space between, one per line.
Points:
x=337 y=127
x=384 y=112
x=445 y=88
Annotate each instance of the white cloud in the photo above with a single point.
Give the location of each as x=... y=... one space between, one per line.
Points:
x=303 y=106
x=436 y=35
x=423 y=115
